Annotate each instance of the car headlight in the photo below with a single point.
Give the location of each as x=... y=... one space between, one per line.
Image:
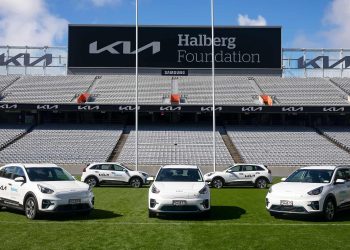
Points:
x=270 y=190
x=155 y=190
x=144 y=174
x=316 y=191
x=45 y=190
x=204 y=190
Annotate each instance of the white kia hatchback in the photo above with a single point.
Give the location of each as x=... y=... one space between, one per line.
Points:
x=43 y=188
x=311 y=190
x=179 y=189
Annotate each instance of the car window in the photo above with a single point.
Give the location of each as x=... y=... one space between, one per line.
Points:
x=118 y=168
x=95 y=167
x=107 y=167
x=48 y=174
x=248 y=168
x=234 y=169
x=18 y=173
x=257 y=168
x=342 y=174
x=8 y=172
x=311 y=176
x=179 y=175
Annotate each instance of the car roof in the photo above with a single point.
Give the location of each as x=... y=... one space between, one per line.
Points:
x=96 y=163
x=32 y=165
x=320 y=167
x=181 y=166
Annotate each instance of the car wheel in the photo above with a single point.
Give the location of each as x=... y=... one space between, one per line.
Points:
x=135 y=182
x=329 y=210
x=92 y=181
x=151 y=214
x=261 y=183
x=31 y=208
x=217 y=183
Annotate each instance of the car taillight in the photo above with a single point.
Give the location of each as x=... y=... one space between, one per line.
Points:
x=84 y=170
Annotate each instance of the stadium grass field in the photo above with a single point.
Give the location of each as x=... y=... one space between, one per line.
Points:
x=120 y=221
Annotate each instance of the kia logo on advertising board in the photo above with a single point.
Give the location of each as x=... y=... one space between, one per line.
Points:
x=184 y=47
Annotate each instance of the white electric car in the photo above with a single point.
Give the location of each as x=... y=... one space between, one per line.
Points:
x=239 y=175
x=112 y=173
x=311 y=190
x=39 y=188
x=179 y=189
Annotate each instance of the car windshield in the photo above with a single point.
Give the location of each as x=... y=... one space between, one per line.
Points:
x=311 y=176
x=48 y=174
x=179 y=175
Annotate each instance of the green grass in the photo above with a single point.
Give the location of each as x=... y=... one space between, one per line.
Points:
x=120 y=221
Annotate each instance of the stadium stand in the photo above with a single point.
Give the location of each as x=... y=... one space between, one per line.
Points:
x=285 y=146
x=6 y=80
x=339 y=134
x=160 y=145
x=343 y=83
x=9 y=132
x=301 y=91
x=48 y=89
x=69 y=144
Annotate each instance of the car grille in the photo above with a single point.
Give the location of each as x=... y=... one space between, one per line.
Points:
x=72 y=195
x=170 y=208
x=288 y=209
x=72 y=207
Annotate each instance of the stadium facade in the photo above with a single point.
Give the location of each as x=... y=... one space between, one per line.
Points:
x=302 y=93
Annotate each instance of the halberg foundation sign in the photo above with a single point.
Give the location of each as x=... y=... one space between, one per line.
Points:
x=174 y=47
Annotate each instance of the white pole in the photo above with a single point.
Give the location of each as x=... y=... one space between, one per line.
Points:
x=136 y=88
x=213 y=81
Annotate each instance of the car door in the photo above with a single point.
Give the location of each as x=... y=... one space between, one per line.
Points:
x=120 y=174
x=232 y=174
x=7 y=183
x=341 y=190
x=17 y=188
x=4 y=184
x=249 y=173
x=105 y=172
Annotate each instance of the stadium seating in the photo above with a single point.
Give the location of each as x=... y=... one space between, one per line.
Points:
x=339 y=134
x=47 y=89
x=301 y=91
x=160 y=145
x=6 y=80
x=8 y=132
x=343 y=83
x=70 y=143
x=285 y=146
x=229 y=90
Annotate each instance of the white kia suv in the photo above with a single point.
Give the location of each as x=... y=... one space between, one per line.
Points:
x=39 y=188
x=179 y=189
x=112 y=173
x=311 y=190
x=239 y=175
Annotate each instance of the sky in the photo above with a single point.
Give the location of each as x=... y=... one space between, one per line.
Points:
x=305 y=24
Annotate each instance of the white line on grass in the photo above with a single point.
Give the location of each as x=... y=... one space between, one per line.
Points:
x=175 y=223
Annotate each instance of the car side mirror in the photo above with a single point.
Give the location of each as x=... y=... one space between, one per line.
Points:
x=283 y=179
x=151 y=178
x=125 y=170
x=340 y=181
x=19 y=179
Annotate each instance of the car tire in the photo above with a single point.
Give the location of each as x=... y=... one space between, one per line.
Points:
x=92 y=181
x=151 y=214
x=135 y=182
x=31 y=208
x=217 y=182
x=329 y=209
x=261 y=183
